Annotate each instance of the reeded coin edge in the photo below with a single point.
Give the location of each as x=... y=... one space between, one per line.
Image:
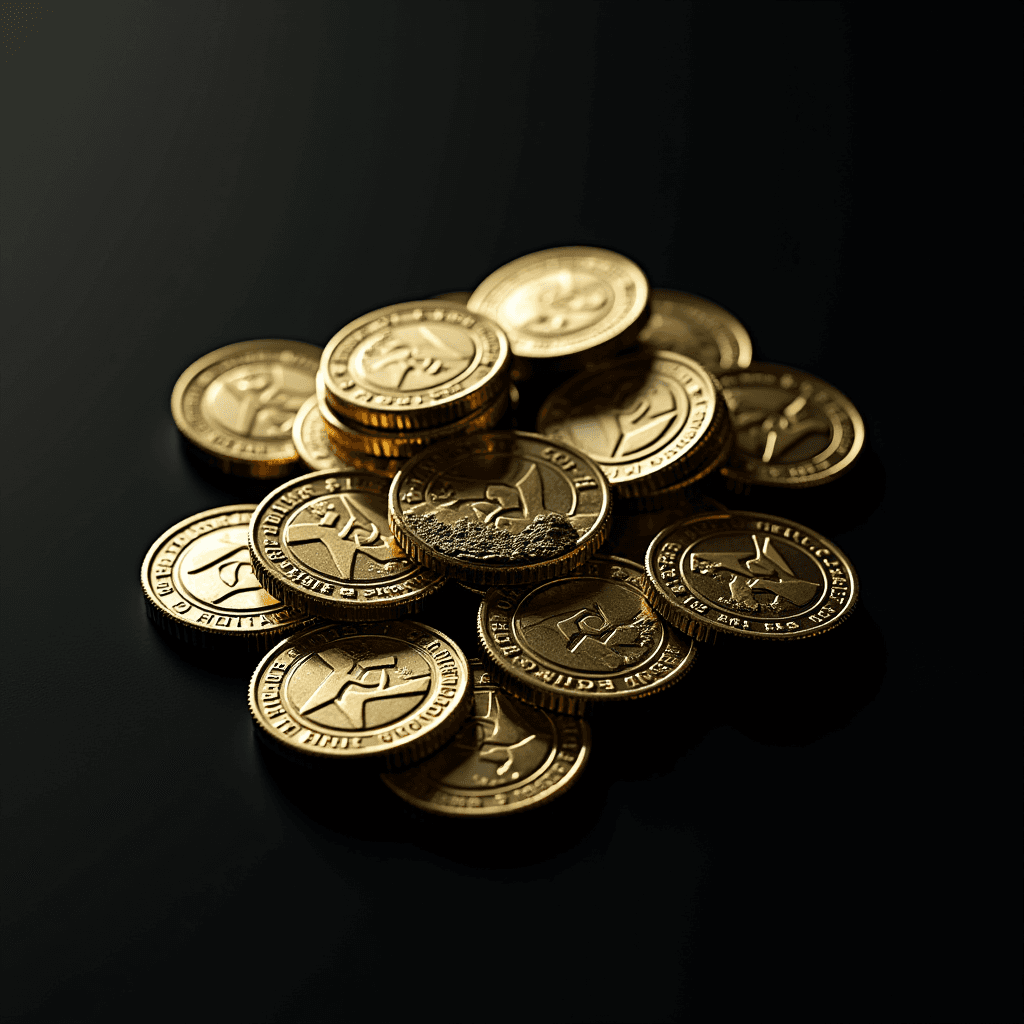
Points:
x=305 y=455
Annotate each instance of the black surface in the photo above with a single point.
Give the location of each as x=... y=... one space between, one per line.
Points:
x=827 y=833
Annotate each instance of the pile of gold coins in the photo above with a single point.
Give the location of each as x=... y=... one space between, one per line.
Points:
x=632 y=400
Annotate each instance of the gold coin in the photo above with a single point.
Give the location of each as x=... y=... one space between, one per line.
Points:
x=321 y=543
x=461 y=297
x=645 y=419
x=309 y=435
x=415 y=365
x=589 y=638
x=791 y=429
x=361 y=691
x=748 y=574
x=507 y=757
x=698 y=328
x=563 y=302
x=200 y=587
x=503 y=507
x=236 y=405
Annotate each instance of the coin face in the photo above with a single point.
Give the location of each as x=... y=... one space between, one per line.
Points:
x=560 y=302
x=641 y=418
x=415 y=365
x=791 y=429
x=588 y=638
x=322 y=544
x=698 y=328
x=352 y=691
x=750 y=575
x=237 y=404
x=502 y=507
x=507 y=757
x=310 y=439
x=200 y=587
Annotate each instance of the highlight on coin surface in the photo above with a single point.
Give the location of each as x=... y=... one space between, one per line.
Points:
x=360 y=691
x=236 y=405
x=586 y=639
x=309 y=435
x=791 y=428
x=508 y=756
x=749 y=574
x=699 y=328
x=200 y=588
x=501 y=507
x=321 y=543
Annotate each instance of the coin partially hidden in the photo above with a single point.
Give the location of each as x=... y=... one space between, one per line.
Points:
x=699 y=328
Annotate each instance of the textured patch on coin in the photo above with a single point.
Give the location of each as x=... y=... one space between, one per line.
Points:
x=507 y=757
x=200 y=586
x=322 y=544
x=236 y=405
x=309 y=435
x=589 y=638
x=415 y=365
x=790 y=428
x=698 y=328
x=749 y=574
x=563 y=302
x=502 y=507
x=357 y=691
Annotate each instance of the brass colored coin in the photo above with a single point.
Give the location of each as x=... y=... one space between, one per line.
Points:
x=503 y=507
x=791 y=429
x=589 y=638
x=200 y=587
x=564 y=302
x=360 y=691
x=460 y=297
x=698 y=328
x=309 y=435
x=645 y=419
x=321 y=543
x=507 y=757
x=415 y=365
x=750 y=575
x=236 y=405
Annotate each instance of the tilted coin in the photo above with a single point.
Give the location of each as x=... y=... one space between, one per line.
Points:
x=501 y=507
x=200 y=587
x=309 y=435
x=461 y=297
x=698 y=328
x=589 y=638
x=748 y=574
x=358 y=691
x=321 y=543
x=562 y=302
x=646 y=419
x=236 y=405
x=415 y=365
x=507 y=757
x=791 y=429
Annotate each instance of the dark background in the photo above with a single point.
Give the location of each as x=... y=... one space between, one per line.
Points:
x=829 y=833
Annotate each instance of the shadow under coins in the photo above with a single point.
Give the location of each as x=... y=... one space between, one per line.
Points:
x=241 y=488
x=227 y=662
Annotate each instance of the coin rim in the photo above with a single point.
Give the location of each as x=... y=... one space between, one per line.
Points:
x=305 y=411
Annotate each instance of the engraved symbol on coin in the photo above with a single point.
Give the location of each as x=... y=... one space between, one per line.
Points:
x=258 y=401
x=608 y=636
x=558 y=303
x=495 y=745
x=770 y=434
x=218 y=570
x=411 y=358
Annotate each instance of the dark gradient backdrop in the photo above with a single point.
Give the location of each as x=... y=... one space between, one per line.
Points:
x=830 y=836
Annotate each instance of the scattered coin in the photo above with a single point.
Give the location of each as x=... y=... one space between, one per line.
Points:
x=358 y=691
x=321 y=543
x=236 y=405
x=200 y=587
x=507 y=757
x=748 y=574
x=698 y=328
x=309 y=435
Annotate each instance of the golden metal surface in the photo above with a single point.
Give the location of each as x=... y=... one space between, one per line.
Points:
x=309 y=435
x=748 y=574
x=698 y=328
x=791 y=428
x=415 y=365
x=200 y=586
x=236 y=405
x=322 y=544
x=589 y=638
x=359 y=691
x=563 y=302
x=502 y=507
x=507 y=757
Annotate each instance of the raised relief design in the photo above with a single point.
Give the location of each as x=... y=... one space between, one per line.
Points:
x=412 y=358
x=770 y=425
x=558 y=303
x=217 y=571
x=258 y=401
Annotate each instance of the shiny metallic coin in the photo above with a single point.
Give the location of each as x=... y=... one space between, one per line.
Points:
x=309 y=435
x=236 y=405
x=698 y=328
